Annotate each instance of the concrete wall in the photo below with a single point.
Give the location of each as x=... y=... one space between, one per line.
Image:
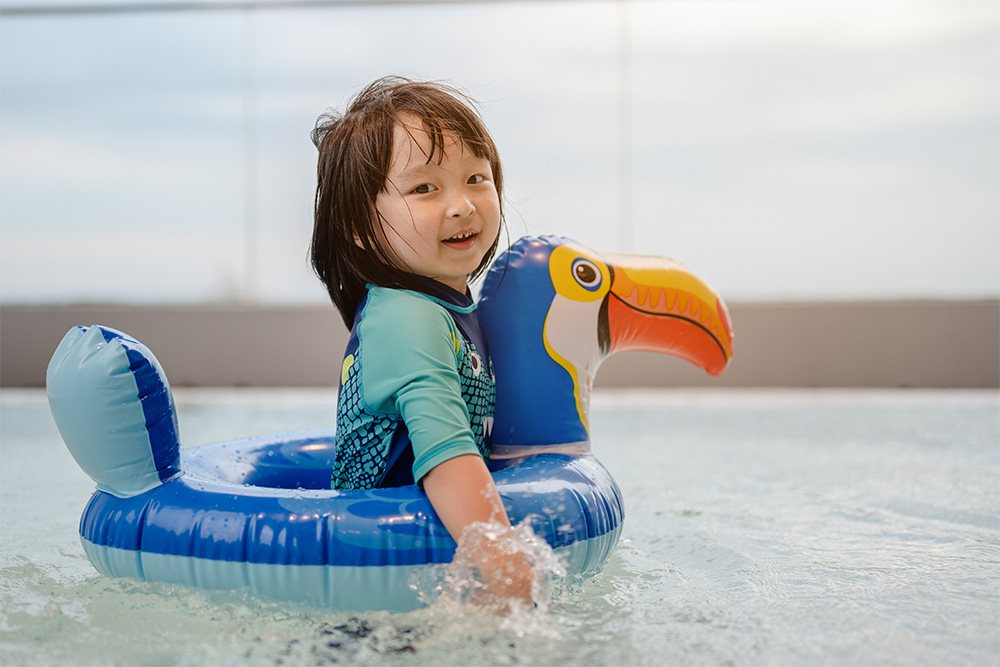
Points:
x=867 y=344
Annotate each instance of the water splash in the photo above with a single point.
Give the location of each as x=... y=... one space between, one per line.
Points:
x=496 y=568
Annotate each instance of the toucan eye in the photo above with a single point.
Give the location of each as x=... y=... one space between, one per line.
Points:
x=577 y=274
x=587 y=274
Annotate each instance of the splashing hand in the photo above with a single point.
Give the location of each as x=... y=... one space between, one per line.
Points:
x=505 y=571
x=494 y=565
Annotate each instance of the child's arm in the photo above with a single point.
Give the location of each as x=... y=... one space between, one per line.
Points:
x=462 y=492
x=421 y=377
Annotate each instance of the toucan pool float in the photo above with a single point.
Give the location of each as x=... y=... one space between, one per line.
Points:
x=258 y=513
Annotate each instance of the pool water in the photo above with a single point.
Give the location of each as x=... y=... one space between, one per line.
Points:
x=762 y=528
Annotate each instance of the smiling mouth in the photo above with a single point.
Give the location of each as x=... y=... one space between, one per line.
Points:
x=460 y=239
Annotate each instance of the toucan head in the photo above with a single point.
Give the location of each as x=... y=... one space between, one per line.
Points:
x=552 y=310
x=645 y=303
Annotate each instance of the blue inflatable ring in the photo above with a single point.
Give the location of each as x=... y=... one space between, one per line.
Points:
x=269 y=524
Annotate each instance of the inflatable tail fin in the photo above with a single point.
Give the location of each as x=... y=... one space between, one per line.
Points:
x=112 y=404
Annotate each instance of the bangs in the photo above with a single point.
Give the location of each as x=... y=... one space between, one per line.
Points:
x=445 y=113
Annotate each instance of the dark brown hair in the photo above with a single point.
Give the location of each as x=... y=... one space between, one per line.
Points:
x=355 y=153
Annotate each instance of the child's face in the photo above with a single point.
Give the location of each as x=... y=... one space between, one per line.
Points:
x=439 y=220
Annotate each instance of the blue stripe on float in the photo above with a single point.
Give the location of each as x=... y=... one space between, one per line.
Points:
x=190 y=518
x=156 y=401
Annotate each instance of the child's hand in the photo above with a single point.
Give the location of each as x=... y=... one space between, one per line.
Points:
x=504 y=570
x=494 y=564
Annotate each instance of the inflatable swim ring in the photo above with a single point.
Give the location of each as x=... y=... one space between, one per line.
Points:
x=259 y=513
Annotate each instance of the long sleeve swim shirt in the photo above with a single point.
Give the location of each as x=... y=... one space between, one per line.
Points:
x=416 y=387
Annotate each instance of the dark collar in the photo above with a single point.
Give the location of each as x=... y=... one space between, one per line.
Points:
x=442 y=292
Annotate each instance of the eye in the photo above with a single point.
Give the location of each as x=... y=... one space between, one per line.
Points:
x=424 y=188
x=578 y=274
x=476 y=179
x=587 y=274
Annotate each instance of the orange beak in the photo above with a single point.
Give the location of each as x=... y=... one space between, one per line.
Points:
x=659 y=305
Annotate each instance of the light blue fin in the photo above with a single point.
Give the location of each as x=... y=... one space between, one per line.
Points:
x=114 y=410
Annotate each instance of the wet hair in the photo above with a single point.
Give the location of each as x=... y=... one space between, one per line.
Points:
x=355 y=153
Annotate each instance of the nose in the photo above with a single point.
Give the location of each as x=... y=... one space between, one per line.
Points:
x=460 y=206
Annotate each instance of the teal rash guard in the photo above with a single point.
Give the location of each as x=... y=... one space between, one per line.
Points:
x=416 y=387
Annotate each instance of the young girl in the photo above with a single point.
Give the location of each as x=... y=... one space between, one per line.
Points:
x=407 y=211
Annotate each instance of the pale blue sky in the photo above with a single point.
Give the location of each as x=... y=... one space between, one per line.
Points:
x=784 y=150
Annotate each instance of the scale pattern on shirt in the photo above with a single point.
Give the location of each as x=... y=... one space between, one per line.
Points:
x=479 y=394
x=365 y=435
x=362 y=452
